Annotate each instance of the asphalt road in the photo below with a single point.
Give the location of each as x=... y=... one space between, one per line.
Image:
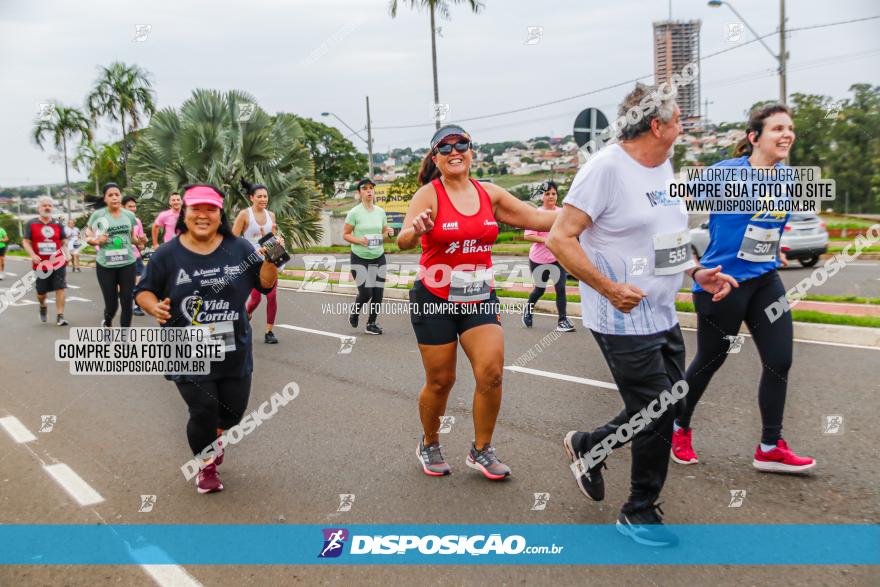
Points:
x=354 y=428
x=860 y=278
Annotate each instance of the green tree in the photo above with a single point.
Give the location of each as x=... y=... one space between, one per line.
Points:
x=10 y=224
x=855 y=150
x=102 y=162
x=63 y=126
x=123 y=91
x=209 y=141
x=480 y=172
x=678 y=156
x=335 y=157
x=441 y=7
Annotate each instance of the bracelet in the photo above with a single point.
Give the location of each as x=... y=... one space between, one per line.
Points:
x=694 y=272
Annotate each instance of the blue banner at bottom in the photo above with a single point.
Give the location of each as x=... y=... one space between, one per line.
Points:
x=517 y=544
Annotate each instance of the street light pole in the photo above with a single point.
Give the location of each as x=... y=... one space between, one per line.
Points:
x=783 y=94
x=369 y=138
x=782 y=57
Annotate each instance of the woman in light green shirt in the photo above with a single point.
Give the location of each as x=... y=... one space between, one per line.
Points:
x=366 y=228
x=111 y=229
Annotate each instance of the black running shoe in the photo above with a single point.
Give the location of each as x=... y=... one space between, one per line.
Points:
x=646 y=527
x=270 y=338
x=589 y=481
x=527 y=316
x=44 y=312
x=353 y=320
x=373 y=328
x=564 y=325
x=137 y=311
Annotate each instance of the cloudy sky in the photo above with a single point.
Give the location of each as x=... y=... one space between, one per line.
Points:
x=311 y=56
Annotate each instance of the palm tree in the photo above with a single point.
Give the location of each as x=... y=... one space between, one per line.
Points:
x=441 y=6
x=208 y=141
x=62 y=125
x=101 y=162
x=123 y=91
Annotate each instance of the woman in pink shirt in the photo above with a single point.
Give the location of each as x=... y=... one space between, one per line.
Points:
x=545 y=268
x=130 y=204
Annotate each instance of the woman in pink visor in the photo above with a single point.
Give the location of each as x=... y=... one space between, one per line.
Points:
x=204 y=278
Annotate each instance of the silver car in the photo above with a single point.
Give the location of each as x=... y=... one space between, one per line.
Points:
x=804 y=238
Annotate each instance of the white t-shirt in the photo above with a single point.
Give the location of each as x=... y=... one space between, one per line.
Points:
x=629 y=206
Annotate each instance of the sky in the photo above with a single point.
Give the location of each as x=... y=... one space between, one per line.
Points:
x=308 y=57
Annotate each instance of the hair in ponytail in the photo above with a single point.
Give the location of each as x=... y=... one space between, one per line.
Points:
x=756 y=125
x=428 y=171
x=251 y=188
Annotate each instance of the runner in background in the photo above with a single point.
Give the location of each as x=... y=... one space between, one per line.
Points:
x=366 y=228
x=541 y=263
x=205 y=277
x=44 y=241
x=140 y=240
x=111 y=229
x=254 y=223
x=628 y=243
x=753 y=263
x=74 y=244
x=453 y=300
x=166 y=221
x=4 y=239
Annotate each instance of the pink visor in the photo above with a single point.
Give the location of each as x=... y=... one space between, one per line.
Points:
x=202 y=194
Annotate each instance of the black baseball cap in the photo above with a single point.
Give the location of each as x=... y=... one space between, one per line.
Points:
x=449 y=130
x=365 y=181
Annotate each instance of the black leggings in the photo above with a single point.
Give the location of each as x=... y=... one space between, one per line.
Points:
x=773 y=340
x=219 y=403
x=117 y=287
x=542 y=276
x=369 y=275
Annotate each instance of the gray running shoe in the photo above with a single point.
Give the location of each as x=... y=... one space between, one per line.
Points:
x=486 y=462
x=564 y=325
x=432 y=460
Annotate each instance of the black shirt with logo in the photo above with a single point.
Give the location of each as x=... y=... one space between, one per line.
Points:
x=210 y=290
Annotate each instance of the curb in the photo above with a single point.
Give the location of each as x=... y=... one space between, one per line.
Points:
x=804 y=331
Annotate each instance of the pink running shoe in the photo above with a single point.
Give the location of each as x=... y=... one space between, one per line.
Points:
x=209 y=480
x=781 y=460
x=682 y=450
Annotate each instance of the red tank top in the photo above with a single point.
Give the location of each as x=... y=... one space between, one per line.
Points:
x=457 y=252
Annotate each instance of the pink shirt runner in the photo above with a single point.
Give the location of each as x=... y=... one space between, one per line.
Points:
x=167 y=219
x=539 y=253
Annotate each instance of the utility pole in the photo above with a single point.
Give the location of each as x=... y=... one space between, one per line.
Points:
x=369 y=138
x=783 y=94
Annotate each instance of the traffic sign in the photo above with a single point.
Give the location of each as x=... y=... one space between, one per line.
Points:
x=587 y=126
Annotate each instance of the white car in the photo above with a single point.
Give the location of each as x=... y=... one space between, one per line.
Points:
x=804 y=238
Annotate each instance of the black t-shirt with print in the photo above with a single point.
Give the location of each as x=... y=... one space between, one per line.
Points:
x=209 y=289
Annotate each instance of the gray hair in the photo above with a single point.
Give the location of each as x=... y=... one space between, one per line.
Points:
x=644 y=104
x=45 y=200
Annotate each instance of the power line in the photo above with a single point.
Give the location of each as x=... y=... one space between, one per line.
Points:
x=627 y=82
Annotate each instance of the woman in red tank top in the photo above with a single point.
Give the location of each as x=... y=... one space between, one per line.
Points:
x=453 y=302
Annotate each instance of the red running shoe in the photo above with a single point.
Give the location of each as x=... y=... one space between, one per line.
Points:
x=781 y=460
x=682 y=450
x=209 y=480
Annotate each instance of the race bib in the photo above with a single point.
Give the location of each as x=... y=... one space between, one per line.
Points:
x=470 y=286
x=759 y=244
x=223 y=332
x=672 y=253
x=46 y=248
x=374 y=240
x=116 y=256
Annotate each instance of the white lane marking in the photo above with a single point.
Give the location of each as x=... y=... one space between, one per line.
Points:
x=10 y=273
x=313 y=331
x=71 y=286
x=840 y=344
x=170 y=576
x=16 y=429
x=553 y=375
x=73 y=484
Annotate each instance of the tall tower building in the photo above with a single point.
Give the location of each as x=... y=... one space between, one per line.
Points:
x=677 y=43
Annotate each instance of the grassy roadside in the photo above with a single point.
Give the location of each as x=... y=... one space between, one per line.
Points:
x=797 y=315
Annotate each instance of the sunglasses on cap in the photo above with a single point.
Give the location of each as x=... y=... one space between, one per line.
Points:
x=446 y=148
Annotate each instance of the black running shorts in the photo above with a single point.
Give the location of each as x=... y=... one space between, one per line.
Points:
x=437 y=321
